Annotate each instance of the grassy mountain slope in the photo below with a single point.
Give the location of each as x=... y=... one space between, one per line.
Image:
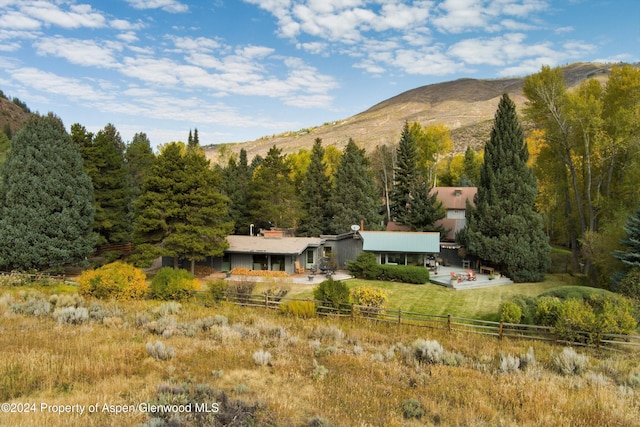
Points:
x=466 y=106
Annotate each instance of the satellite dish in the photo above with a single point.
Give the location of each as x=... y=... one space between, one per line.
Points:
x=355 y=228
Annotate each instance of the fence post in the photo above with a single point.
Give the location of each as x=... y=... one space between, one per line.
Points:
x=448 y=323
x=266 y=301
x=399 y=316
x=353 y=314
x=500 y=332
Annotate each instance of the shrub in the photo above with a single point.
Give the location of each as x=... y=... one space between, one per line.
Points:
x=365 y=266
x=71 y=315
x=241 y=291
x=32 y=306
x=547 y=311
x=569 y=362
x=371 y=301
x=630 y=284
x=319 y=371
x=412 y=408
x=331 y=332
x=576 y=321
x=528 y=359
x=173 y=284
x=404 y=274
x=509 y=363
x=14 y=279
x=333 y=291
x=301 y=309
x=510 y=312
x=614 y=314
x=262 y=358
x=159 y=351
x=218 y=289
x=426 y=351
x=116 y=280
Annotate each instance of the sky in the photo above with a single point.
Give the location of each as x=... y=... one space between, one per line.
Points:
x=237 y=70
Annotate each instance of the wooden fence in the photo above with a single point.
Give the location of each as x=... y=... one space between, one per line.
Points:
x=449 y=323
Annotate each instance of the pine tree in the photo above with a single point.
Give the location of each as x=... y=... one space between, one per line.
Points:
x=405 y=177
x=504 y=228
x=314 y=197
x=631 y=257
x=181 y=213
x=112 y=185
x=354 y=197
x=272 y=195
x=424 y=208
x=46 y=200
x=139 y=157
x=236 y=181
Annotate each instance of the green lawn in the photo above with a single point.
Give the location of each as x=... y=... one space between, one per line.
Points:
x=481 y=303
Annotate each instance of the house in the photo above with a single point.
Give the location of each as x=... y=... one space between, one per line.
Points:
x=270 y=253
x=454 y=201
x=401 y=248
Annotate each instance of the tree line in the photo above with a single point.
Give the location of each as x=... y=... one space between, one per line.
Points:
x=571 y=181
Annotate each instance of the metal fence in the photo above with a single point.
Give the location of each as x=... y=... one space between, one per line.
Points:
x=449 y=323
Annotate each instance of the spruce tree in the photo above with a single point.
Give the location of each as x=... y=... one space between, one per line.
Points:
x=46 y=199
x=272 y=194
x=181 y=213
x=631 y=257
x=424 y=208
x=314 y=197
x=405 y=177
x=112 y=185
x=236 y=181
x=139 y=157
x=354 y=197
x=504 y=227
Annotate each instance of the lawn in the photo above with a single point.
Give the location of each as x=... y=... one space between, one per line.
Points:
x=481 y=303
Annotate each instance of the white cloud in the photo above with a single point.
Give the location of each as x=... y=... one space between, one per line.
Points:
x=81 y=52
x=18 y=21
x=51 y=83
x=171 y=6
x=78 y=16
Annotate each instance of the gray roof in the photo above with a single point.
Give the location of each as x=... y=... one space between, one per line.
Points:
x=280 y=246
x=399 y=241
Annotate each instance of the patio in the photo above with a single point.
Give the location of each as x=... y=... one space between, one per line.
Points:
x=482 y=280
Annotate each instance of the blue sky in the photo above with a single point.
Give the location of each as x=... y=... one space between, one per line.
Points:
x=237 y=70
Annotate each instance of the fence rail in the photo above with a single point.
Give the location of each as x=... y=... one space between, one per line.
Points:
x=449 y=323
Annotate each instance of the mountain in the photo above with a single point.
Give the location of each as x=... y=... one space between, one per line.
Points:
x=466 y=106
x=13 y=114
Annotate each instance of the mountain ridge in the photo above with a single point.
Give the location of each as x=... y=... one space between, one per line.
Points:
x=466 y=105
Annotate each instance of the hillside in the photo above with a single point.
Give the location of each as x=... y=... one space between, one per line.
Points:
x=466 y=106
x=12 y=116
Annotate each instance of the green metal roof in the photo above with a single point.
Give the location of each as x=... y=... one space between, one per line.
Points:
x=398 y=241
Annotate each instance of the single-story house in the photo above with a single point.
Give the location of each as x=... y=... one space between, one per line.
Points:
x=401 y=247
x=454 y=200
x=267 y=253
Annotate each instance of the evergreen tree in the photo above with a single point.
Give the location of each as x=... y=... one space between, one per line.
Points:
x=354 y=196
x=181 y=213
x=236 y=181
x=112 y=185
x=405 y=177
x=504 y=228
x=139 y=157
x=424 y=208
x=272 y=195
x=46 y=200
x=631 y=257
x=314 y=197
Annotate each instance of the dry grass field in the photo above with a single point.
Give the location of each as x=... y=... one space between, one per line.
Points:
x=260 y=367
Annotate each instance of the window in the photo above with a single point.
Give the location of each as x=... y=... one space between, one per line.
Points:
x=310 y=253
